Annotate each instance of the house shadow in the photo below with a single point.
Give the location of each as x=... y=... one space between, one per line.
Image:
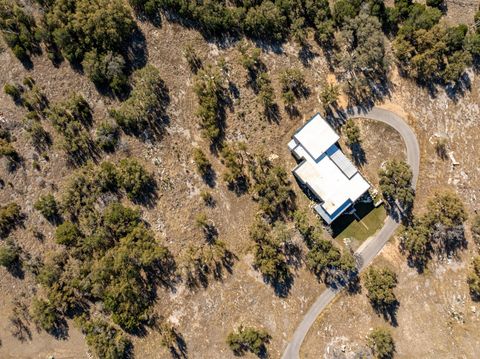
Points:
x=362 y=209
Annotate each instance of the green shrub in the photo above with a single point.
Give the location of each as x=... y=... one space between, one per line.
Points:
x=9 y=254
x=381 y=342
x=380 y=283
x=269 y=253
x=107 y=70
x=104 y=340
x=134 y=179
x=293 y=80
x=106 y=177
x=47 y=206
x=207 y=198
x=68 y=234
x=94 y=33
x=119 y=220
x=209 y=89
x=107 y=136
x=147 y=102
x=396 y=183
x=193 y=60
x=264 y=20
x=248 y=339
x=13 y=91
x=18 y=29
x=428 y=50
x=352 y=132
x=44 y=315
x=70 y=119
x=232 y=158
x=272 y=189
x=201 y=161
x=7 y=150
x=10 y=217
x=473 y=279
x=476 y=229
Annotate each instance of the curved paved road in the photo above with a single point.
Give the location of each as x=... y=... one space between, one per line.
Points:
x=373 y=246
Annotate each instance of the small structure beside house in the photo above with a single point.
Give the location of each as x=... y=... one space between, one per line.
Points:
x=325 y=170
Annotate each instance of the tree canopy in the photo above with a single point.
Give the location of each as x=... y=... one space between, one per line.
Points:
x=93 y=33
x=381 y=342
x=248 y=339
x=380 y=283
x=396 y=183
x=439 y=230
x=146 y=106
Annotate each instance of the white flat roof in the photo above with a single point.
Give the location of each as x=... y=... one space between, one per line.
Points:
x=330 y=184
x=316 y=136
x=325 y=169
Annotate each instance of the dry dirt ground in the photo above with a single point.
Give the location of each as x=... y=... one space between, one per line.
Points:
x=436 y=317
x=205 y=317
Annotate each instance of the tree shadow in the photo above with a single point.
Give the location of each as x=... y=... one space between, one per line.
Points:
x=281 y=286
x=358 y=154
x=14 y=162
x=26 y=62
x=388 y=312
x=239 y=186
x=292 y=111
x=20 y=329
x=137 y=51
x=293 y=255
x=179 y=350
x=458 y=89
x=226 y=263
x=165 y=274
x=306 y=54
x=272 y=113
x=210 y=177
x=59 y=330
x=148 y=196
x=16 y=269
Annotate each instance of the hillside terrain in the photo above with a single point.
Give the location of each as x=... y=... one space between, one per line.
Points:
x=145 y=144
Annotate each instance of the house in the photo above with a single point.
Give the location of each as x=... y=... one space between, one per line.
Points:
x=325 y=170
